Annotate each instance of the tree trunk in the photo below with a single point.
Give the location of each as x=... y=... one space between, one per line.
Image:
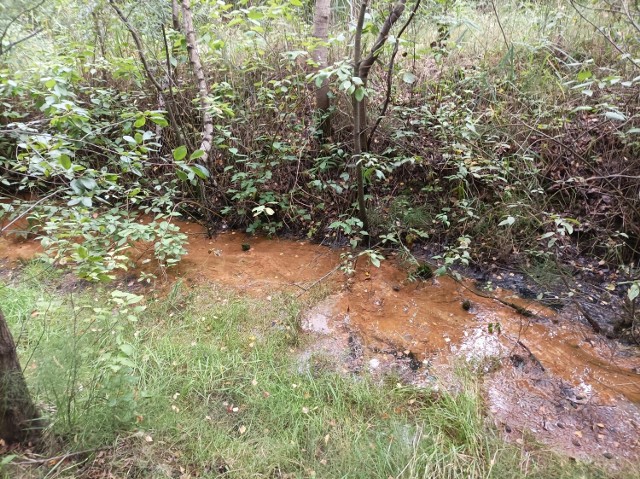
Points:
x=19 y=419
x=175 y=15
x=361 y=68
x=319 y=54
x=359 y=120
x=203 y=90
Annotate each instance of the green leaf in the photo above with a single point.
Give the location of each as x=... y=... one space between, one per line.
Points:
x=359 y=94
x=182 y=175
x=158 y=120
x=140 y=122
x=614 y=115
x=634 y=291
x=7 y=459
x=127 y=349
x=508 y=222
x=295 y=3
x=201 y=171
x=88 y=184
x=409 y=78
x=584 y=75
x=196 y=154
x=65 y=161
x=180 y=153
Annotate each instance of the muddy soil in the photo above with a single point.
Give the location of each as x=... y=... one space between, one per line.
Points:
x=547 y=374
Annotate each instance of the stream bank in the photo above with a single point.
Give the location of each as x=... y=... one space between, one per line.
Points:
x=547 y=375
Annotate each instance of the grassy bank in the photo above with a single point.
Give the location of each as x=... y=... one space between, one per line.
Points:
x=205 y=383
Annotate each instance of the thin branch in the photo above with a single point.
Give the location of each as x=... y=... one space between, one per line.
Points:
x=57 y=459
x=138 y=42
x=203 y=89
x=6 y=50
x=607 y=37
x=370 y=59
x=387 y=99
x=13 y=19
x=504 y=36
x=358 y=119
x=170 y=77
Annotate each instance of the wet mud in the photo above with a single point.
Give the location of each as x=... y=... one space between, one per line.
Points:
x=547 y=374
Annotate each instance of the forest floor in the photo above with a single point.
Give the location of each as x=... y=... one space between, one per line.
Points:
x=272 y=362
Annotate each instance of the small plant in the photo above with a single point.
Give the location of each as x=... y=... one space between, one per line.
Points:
x=454 y=255
x=352 y=228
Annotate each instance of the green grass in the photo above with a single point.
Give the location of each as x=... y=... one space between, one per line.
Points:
x=208 y=383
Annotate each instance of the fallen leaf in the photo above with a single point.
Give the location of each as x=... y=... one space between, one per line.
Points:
x=305 y=410
x=148 y=438
x=242 y=429
x=578 y=433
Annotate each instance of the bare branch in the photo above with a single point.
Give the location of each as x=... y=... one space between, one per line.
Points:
x=605 y=35
x=370 y=59
x=6 y=50
x=387 y=99
x=14 y=18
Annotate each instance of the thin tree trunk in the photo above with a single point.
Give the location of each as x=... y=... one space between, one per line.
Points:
x=203 y=90
x=175 y=15
x=365 y=65
x=359 y=119
x=361 y=68
x=19 y=419
x=321 y=33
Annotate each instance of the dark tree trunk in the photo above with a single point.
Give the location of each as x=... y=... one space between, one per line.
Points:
x=19 y=419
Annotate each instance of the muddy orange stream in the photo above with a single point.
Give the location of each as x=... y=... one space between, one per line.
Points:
x=427 y=318
x=390 y=313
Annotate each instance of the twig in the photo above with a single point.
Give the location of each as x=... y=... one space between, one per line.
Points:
x=13 y=19
x=624 y=54
x=387 y=99
x=6 y=227
x=518 y=309
x=594 y=324
x=504 y=36
x=62 y=457
x=308 y=288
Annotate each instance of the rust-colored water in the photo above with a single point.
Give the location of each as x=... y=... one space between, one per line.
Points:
x=427 y=318
x=390 y=313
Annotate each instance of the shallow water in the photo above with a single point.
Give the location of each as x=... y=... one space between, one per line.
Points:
x=389 y=313
x=549 y=375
